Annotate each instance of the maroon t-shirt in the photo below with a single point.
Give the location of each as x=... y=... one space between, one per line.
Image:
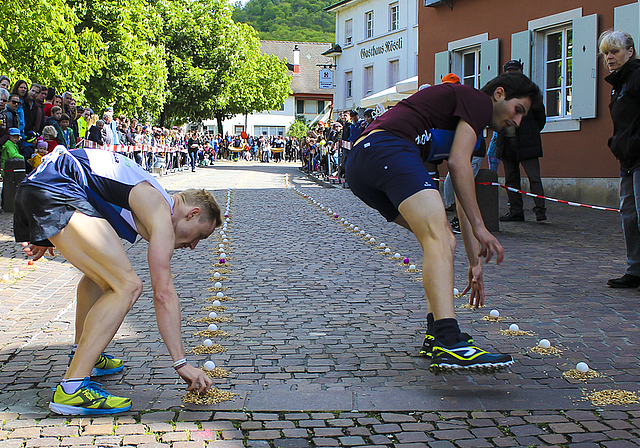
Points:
x=437 y=108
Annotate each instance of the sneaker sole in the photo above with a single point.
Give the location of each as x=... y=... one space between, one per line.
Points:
x=102 y=372
x=476 y=368
x=64 y=409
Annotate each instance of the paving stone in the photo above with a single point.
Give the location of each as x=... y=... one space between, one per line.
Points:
x=160 y=427
x=325 y=441
x=43 y=442
x=24 y=433
x=351 y=440
x=264 y=434
x=291 y=443
x=205 y=435
x=379 y=439
x=387 y=428
x=97 y=430
x=328 y=432
x=452 y=434
x=340 y=422
x=60 y=431
x=526 y=430
x=396 y=418
x=226 y=444
x=198 y=444
x=232 y=434
x=282 y=424
x=76 y=441
x=165 y=416
x=565 y=428
x=130 y=429
x=169 y=437
x=107 y=441
x=474 y=443
x=411 y=437
x=138 y=439
x=239 y=416
x=295 y=433
x=217 y=425
x=553 y=439
x=153 y=445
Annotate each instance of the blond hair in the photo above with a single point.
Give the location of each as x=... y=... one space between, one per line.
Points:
x=210 y=210
x=49 y=133
x=612 y=40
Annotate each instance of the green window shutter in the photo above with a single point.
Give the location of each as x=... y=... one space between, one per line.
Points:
x=442 y=66
x=584 y=60
x=521 y=50
x=625 y=18
x=489 y=61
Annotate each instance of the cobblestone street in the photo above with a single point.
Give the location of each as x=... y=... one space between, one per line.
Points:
x=323 y=329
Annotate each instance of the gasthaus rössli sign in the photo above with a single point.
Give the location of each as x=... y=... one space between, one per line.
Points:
x=387 y=47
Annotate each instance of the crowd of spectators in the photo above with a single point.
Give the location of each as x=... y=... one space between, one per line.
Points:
x=325 y=149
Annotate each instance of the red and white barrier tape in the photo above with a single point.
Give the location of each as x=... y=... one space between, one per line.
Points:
x=560 y=201
x=130 y=148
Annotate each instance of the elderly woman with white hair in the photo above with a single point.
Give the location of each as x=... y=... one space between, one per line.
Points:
x=619 y=53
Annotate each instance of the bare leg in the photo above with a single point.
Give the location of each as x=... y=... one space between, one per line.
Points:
x=87 y=295
x=92 y=246
x=426 y=217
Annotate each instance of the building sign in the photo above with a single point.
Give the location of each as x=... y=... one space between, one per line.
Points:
x=326 y=79
x=387 y=47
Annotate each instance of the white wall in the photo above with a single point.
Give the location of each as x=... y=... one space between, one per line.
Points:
x=358 y=55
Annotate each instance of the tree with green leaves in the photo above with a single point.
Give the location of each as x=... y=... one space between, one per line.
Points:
x=39 y=42
x=297 y=129
x=290 y=20
x=133 y=79
x=256 y=82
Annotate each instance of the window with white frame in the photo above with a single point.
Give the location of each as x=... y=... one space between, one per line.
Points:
x=394 y=68
x=368 y=80
x=393 y=16
x=368 y=24
x=471 y=67
x=348 y=32
x=558 y=71
x=348 y=76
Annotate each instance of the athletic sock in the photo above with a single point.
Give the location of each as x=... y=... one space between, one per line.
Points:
x=430 y=327
x=446 y=331
x=71 y=385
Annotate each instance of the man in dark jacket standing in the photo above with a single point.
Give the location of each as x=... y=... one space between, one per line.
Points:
x=523 y=146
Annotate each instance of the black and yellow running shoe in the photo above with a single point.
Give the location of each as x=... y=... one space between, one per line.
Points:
x=89 y=399
x=427 y=346
x=466 y=356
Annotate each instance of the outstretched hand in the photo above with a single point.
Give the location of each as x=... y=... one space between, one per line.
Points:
x=195 y=378
x=489 y=245
x=36 y=251
x=476 y=286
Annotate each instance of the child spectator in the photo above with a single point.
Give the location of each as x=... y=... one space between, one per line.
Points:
x=54 y=120
x=67 y=132
x=10 y=151
x=49 y=134
x=41 y=151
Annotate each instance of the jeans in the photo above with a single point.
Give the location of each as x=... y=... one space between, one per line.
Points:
x=192 y=157
x=449 y=194
x=629 y=210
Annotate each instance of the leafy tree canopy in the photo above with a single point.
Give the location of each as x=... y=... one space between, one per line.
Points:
x=290 y=20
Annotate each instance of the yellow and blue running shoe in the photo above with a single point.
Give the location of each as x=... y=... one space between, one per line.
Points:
x=89 y=399
x=466 y=356
x=105 y=365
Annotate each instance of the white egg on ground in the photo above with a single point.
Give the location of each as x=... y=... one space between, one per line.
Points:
x=387 y=250
x=218 y=284
x=582 y=367
x=544 y=343
x=382 y=245
x=212 y=327
x=217 y=303
x=455 y=290
x=494 y=313
x=220 y=294
x=413 y=266
x=223 y=255
x=207 y=342
x=216 y=275
x=209 y=365
x=213 y=314
x=225 y=240
x=514 y=327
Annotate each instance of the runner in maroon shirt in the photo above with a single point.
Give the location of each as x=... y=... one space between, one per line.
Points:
x=386 y=170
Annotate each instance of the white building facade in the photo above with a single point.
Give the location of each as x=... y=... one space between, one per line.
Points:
x=378 y=40
x=304 y=60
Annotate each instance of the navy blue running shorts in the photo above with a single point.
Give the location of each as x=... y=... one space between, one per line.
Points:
x=40 y=214
x=383 y=170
